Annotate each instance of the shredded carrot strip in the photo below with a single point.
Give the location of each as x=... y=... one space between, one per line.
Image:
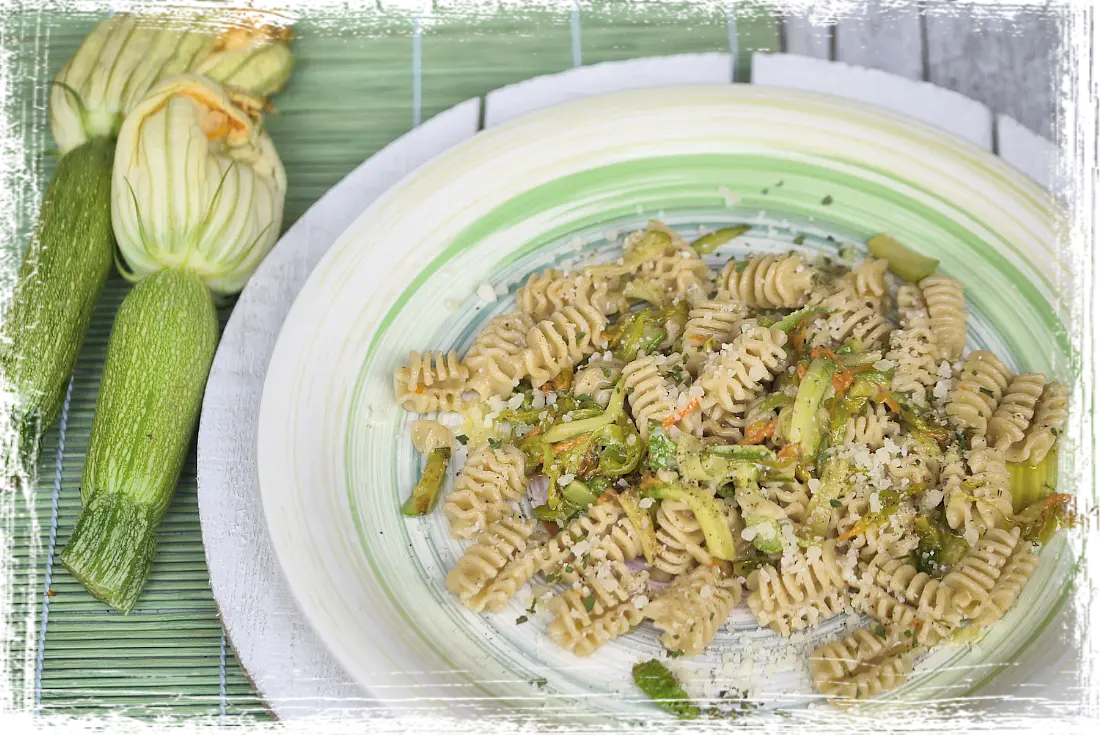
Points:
x=884 y=397
x=801 y=371
x=788 y=451
x=606 y=497
x=823 y=352
x=567 y=445
x=853 y=531
x=667 y=423
x=842 y=382
x=864 y=524
x=758 y=432
x=798 y=339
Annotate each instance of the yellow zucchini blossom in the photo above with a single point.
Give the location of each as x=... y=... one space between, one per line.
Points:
x=197 y=185
x=126 y=55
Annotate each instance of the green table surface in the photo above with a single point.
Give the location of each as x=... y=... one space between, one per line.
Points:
x=362 y=80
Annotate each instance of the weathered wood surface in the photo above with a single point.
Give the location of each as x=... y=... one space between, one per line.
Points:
x=884 y=37
x=1002 y=57
x=1006 y=63
x=807 y=36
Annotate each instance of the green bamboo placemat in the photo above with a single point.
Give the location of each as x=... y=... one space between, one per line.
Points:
x=362 y=80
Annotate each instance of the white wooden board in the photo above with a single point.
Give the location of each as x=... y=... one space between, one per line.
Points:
x=291 y=669
x=284 y=658
x=293 y=672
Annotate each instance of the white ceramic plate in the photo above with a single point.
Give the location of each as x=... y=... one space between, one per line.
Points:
x=335 y=460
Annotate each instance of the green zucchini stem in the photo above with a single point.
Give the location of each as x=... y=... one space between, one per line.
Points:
x=112 y=548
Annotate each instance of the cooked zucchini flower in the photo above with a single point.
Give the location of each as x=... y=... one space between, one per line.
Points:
x=197 y=185
x=197 y=200
x=127 y=55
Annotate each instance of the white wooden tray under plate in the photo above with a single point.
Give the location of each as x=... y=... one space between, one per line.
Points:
x=290 y=667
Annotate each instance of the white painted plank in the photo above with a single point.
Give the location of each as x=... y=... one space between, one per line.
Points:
x=275 y=644
x=516 y=100
x=807 y=36
x=1054 y=167
x=883 y=35
x=1004 y=59
x=950 y=111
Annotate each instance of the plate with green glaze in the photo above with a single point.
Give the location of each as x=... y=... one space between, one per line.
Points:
x=560 y=187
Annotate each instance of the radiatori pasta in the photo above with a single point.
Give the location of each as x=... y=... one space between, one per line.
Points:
x=801 y=438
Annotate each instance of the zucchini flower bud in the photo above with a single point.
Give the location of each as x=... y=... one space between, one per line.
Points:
x=127 y=55
x=197 y=185
x=251 y=51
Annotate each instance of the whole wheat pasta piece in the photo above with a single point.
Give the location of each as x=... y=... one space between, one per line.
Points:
x=795 y=599
x=1015 y=411
x=482 y=562
x=735 y=375
x=432 y=381
x=559 y=342
x=869 y=278
x=485 y=490
x=974 y=578
x=710 y=325
x=947 y=314
x=769 y=281
x=581 y=626
x=861 y=666
x=554 y=557
x=1050 y=419
x=980 y=388
x=1015 y=574
x=850 y=317
x=492 y=360
x=549 y=291
x=692 y=608
x=680 y=538
x=654 y=394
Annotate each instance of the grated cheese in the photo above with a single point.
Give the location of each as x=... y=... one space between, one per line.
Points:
x=486 y=293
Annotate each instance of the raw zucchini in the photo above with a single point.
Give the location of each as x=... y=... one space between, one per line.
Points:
x=59 y=281
x=158 y=359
